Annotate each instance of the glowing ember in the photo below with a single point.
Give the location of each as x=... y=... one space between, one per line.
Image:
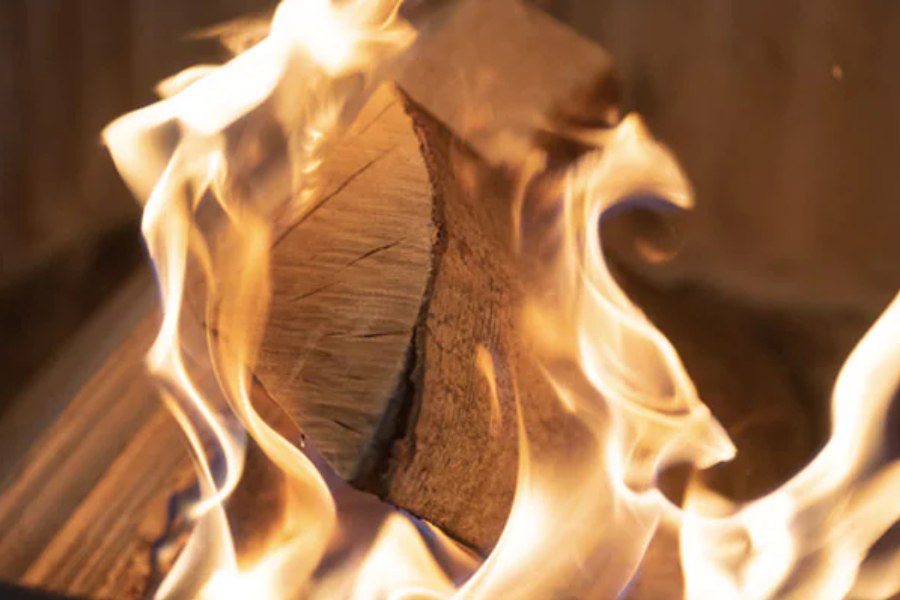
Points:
x=582 y=519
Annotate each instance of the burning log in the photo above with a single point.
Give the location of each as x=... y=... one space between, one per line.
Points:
x=401 y=284
x=372 y=342
x=376 y=347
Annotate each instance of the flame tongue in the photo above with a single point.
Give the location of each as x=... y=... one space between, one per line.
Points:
x=202 y=220
x=809 y=538
x=585 y=511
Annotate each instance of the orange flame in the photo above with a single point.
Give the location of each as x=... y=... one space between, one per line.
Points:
x=200 y=222
x=582 y=518
x=808 y=539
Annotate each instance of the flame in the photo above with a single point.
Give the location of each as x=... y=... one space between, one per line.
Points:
x=400 y=566
x=584 y=512
x=828 y=516
x=201 y=223
x=582 y=518
x=814 y=537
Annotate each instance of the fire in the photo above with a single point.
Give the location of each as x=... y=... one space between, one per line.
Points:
x=824 y=519
x=583 y=516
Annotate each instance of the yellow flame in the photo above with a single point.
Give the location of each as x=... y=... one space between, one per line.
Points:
x=200 y=225
x=485 y=364
x=400 y=566
x=809 y=538
x=583 y=516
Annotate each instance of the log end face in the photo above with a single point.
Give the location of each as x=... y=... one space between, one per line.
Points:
x=348 y=286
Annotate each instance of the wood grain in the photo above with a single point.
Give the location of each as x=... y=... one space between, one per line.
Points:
x=35 y=410
x=105 y=548
x=349 y=282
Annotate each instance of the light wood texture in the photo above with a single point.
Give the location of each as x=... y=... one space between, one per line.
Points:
x=349 y=282
x=39 y=406
x=106 y=547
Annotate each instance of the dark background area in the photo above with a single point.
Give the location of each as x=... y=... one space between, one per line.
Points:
x=783 y=113
x=69 y=232
x=786 y=117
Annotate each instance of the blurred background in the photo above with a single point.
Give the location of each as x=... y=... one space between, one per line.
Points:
x=784 y=114
x=68 y=227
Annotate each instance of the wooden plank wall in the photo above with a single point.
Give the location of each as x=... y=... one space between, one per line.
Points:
x=786 y=116
x=68 y=227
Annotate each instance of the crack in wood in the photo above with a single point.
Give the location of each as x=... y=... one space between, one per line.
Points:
x=340 y=188
x=378 y=334
x=377 y=117
x=364 y=335
x=393 y=441
x=313 y=292
x=361 y=257
x=373 y=252
x=344 y=425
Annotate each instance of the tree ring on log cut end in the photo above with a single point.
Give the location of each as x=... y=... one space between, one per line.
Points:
x=348 y=286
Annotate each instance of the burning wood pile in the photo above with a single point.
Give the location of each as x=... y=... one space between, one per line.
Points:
x=403 y=364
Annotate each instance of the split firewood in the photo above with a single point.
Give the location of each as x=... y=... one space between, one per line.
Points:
x=403 y=273
x=348 y=286
x=387 y=383
x=383 y=297
x=341 y=365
